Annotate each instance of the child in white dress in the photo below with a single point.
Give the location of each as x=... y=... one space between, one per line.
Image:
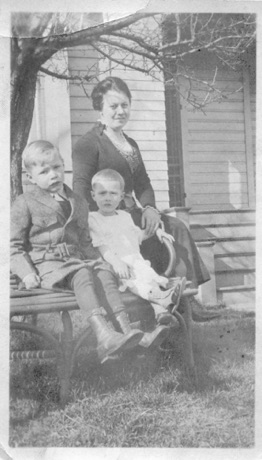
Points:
x=118 y=239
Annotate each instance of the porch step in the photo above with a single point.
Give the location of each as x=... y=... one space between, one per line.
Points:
x=235 y=269
x=222 y=231
x=241 y=276
x=234 y=252
x=234 y=245
x=206 y=218
x=234 y=230
x=238 y=297
x=235 y=261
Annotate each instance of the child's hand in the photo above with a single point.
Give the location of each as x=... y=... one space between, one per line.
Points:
x=31 y=281
x=121 y=269
x=161 y=234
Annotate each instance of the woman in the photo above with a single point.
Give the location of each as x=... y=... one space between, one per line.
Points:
x=106 y=146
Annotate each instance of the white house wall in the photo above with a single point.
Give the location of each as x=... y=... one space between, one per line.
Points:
x=253 y=124
x=51 y=119
x=214 y=148
x=219 y=148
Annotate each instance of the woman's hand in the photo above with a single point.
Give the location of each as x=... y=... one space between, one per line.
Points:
x=150 y=221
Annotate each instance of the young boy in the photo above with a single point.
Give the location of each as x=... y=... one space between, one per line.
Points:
x=51 y=247
x=116 y=236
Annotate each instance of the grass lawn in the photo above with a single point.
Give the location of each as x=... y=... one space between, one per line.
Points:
x=146 y=401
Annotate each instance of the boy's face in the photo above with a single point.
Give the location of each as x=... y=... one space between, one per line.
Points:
x=48 y=173
x=107 y=195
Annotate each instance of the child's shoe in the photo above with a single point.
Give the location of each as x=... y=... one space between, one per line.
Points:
x=166 y=319
x=153 y=339
x=169 y=296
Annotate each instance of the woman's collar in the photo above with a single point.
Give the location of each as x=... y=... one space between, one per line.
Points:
x=101 y=127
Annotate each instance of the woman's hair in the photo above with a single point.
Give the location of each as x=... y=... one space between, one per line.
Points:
x=36 y=151
x=109 y=175
x=109 y=83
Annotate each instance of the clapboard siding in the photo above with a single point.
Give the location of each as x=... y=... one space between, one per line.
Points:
x=216 y=115
x=219 y=147
x=236 y=200
x=140 y=135
x=150 y=154
x=215 y=147
x=218 y=125
x=83 y=116
x=148 y=117
x=221 y=167
x=82 y=66
x=203 y=135
x=225 y=106
x=217 y=177
x=228 y=95
x=253 y=123
x=82 y=60
x=232 y=158
x=138 y=97
x=147 y=124
x=208 y=75
x=150 y=137
x=219 y=188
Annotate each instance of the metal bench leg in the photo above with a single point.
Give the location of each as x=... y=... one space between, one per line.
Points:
x=81 y=339
x=185 y=320
x=64 y=367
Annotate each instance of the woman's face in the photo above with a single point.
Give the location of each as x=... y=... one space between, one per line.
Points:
x=116 y=110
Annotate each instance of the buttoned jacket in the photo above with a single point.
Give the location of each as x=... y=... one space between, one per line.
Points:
x=38 y=225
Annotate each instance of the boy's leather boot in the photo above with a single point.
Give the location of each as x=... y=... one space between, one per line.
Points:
x=109 y=342
x=124 y=323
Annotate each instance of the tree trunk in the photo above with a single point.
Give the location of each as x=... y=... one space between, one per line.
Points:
x=24 y=79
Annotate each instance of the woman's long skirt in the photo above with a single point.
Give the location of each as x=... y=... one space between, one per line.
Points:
x=188 y=260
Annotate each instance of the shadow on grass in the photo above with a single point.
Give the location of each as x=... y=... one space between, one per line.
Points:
x=34 y=388
x=228 y=340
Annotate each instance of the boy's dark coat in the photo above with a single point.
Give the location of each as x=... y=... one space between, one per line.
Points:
x=38 y=223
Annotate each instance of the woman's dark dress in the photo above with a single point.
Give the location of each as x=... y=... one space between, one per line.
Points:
x=93 y=152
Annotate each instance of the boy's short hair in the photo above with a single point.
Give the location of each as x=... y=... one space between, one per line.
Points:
x=35 y=150
x=108 y=174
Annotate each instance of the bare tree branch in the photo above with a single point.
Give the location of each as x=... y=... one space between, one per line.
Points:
x=122 y=46
x=85 y=35
x=207 y=46
x=63 y=76
x=135 y=39
x=118 y=61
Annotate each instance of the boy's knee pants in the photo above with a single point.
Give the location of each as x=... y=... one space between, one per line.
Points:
x=82 y=284
x=110 y=295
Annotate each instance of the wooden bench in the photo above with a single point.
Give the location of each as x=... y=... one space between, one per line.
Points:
x=25 y=304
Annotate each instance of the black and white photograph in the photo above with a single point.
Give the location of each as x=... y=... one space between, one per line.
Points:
x=130 y=171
